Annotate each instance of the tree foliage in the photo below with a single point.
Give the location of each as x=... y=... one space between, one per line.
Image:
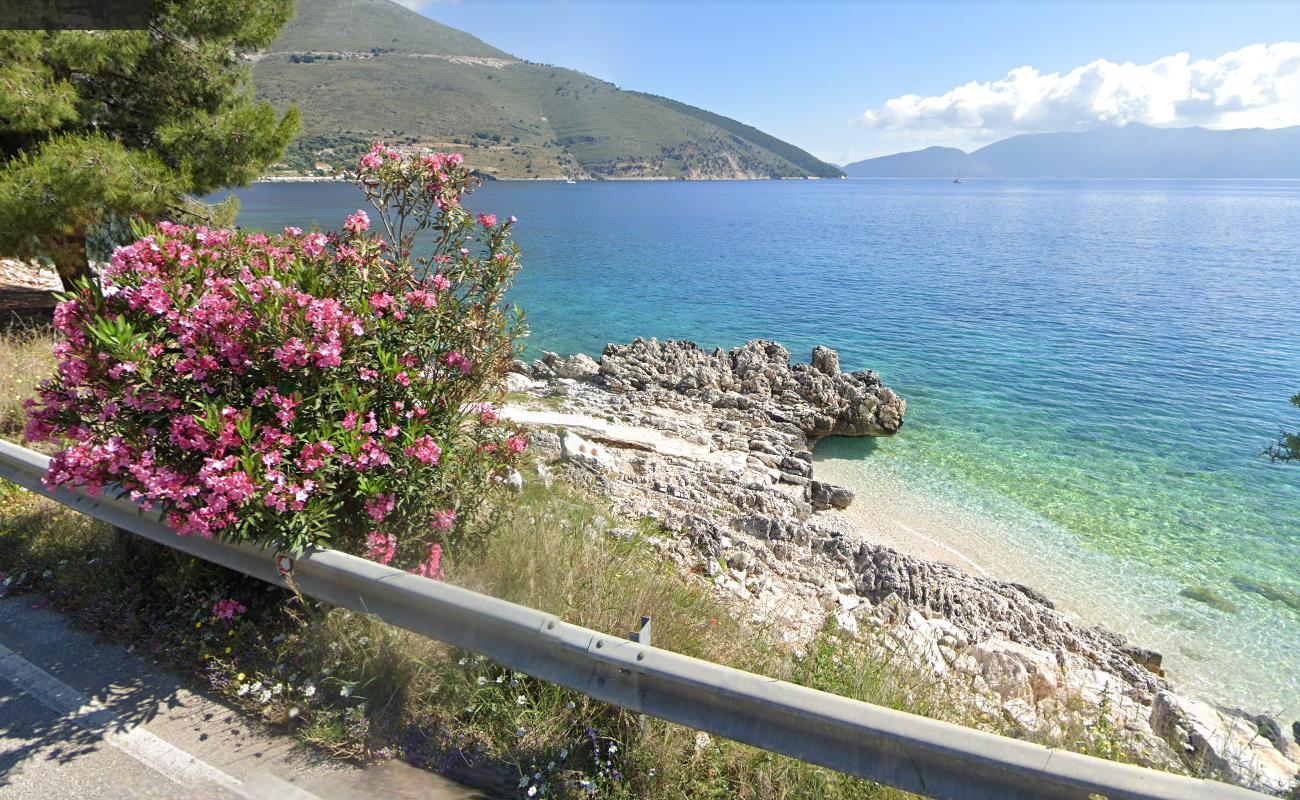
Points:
x=1287 y=447
x=97 y=125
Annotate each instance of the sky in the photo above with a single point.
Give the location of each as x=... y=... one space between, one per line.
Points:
x=848 y=81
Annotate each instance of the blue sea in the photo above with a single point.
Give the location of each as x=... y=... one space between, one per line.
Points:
x=1092 y=368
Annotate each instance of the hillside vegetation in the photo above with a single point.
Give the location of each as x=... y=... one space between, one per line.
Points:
x=362 y=69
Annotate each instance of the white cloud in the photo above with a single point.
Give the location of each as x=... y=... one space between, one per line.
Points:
x=1256 y=86
x=420 y=5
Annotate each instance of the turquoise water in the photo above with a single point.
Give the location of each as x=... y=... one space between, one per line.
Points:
x=1091 y=368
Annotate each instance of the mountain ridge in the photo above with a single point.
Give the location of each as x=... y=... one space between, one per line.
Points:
x=361 y=70
x=1133 y=151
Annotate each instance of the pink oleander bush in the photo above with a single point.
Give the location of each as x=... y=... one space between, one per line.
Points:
x=301 y=389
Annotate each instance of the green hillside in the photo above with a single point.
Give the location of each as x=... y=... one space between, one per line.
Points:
x=366 y=69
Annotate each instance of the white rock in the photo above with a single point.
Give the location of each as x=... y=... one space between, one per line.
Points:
x=516 y=382
x=1225 y=742
x=514 y=479
x=580 y=451
x=1015 y=670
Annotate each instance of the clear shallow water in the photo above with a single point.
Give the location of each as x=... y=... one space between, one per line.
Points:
x=1092 y=368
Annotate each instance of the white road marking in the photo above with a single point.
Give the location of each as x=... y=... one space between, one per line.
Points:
x=93 y=716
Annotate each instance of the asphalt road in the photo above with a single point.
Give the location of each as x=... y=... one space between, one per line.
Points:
x=84 y=719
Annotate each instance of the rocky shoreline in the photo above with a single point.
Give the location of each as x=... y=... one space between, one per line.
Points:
x=716 y=446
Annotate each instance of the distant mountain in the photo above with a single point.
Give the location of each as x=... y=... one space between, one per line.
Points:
x=1132 y=151
x=366 y=69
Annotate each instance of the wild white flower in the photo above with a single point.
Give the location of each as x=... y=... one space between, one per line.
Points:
x=532 y=791
x=277 y=689
x=523 y=782
x=519 y=732
x=309 y=690
x=702 y=740
x=346 y=691
x=243 y=689
x=265 y=697
x=257 y=687
x=564 y=753
x=521 y=700
x=482 y=681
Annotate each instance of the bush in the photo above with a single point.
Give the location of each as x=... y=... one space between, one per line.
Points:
x=300 y=389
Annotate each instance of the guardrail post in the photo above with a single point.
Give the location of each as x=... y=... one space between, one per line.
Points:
x=641 y=637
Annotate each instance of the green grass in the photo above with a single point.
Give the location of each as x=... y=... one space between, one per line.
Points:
x=520 y=120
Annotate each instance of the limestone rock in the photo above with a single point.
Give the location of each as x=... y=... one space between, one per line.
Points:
x=518 y=382
x=1016 y=671
x=589 y=454
x=513 y=479
x=827 y=495
x=579 y=367
x=1227 y=743
x=818 y=399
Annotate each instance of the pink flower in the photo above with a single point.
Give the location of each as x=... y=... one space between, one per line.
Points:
x=227 y=609
x=350 y=420
x=357 y=223
x=313 y=456
x=487 y=220
x=441 y=283
x=432 y=566
x=293 y=353
x=403 y=378
x=421 y=299
x=516 y=444
x=444 y=520
x=380 y=506
x=425 y=450
x=381 y=547
x=187 y=433
x=456 y=360
x=314 y=244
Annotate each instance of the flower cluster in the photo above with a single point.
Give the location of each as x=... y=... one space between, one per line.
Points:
x=227 y=609
x=299 y=389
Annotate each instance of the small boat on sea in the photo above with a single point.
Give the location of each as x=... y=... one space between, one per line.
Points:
x=957 y=180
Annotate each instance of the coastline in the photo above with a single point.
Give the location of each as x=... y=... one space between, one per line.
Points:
x=1094 y=588
x=716 y=447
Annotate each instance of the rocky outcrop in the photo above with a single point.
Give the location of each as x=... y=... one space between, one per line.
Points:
x=1230 y=745
x=817 y=398
x=715 y=446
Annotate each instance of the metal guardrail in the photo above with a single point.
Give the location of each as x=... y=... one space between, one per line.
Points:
x=915 y=753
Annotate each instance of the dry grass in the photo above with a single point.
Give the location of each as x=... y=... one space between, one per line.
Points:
x=26 y=358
